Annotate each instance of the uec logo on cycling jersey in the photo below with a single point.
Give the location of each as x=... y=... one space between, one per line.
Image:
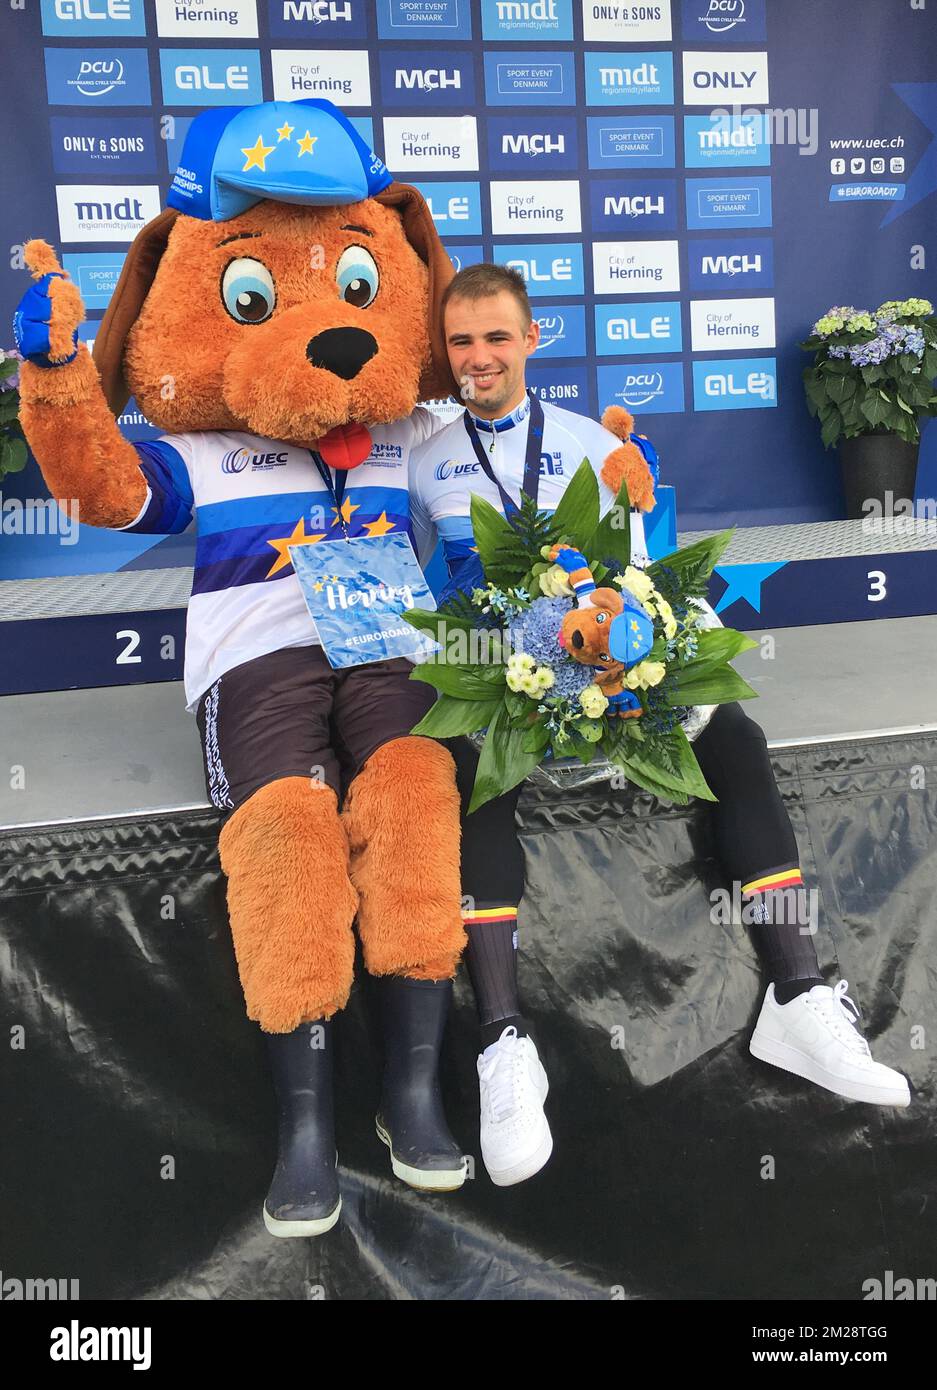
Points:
x=447 y=469
x=237 y=460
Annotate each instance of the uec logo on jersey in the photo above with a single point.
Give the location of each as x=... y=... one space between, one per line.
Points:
x=448 y=469
x=236 y=460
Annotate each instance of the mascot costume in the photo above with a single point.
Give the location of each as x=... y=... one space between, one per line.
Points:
x=279 y=322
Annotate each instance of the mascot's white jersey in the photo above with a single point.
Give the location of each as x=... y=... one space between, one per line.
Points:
x=444 y=472
x=250 y=497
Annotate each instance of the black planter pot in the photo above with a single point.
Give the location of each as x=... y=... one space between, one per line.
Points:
x=873 y=465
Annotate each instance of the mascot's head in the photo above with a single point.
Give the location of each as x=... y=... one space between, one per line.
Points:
x=290 y=289
x=612 y=634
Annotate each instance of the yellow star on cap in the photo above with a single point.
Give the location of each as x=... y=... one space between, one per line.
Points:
x=379 y=527
x=347 y=508
x=282 y=545
x=284 y=131
x=306 y=144
x=256 y=155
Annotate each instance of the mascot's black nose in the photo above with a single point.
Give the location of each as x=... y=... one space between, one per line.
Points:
x=577 y=639
x=342 y=351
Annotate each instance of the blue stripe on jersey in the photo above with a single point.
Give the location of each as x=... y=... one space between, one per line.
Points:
x=169 y=510
x=286 y=508
x=245 y=557
x=254 y=540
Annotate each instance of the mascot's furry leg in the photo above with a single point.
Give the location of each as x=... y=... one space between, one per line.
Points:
x=402 y=816
x=291 y=905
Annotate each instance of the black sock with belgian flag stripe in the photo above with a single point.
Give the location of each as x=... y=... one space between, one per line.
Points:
x=777 y=907
x=491 y=957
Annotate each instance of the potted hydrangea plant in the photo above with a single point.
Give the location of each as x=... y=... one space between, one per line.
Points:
x=871 y=383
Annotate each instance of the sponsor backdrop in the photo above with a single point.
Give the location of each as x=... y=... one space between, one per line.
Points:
x=686 y=186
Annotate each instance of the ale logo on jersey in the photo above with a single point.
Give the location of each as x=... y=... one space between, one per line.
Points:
x=629 y=79
x=630 y=142
x=725 y=325
x=517 y=20
x=343 y=76
x=724 y=139
x=208 y=19
x=729 y=21
x=317 y=19
x=633 y=205
x=650 y=387
x=102 y=145
x=742 y=202
x=424 y=19
x=634 y=267
x=455 y=207
x=93 y=18
x=714 y=79
x=632 y=329
x=423 y=76
x=744 y=383
x=547 y=143
x=551 y=206
x=530 y=79
x=562 y=330
x=442 y=143
x=210 y=76
x=553 y=268
x=737 y=264
x=626 y=23
x=97 y=77
x=104 y=212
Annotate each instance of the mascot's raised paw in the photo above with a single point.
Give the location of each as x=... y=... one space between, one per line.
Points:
x=45 y=323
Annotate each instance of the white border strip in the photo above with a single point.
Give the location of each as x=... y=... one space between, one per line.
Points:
x=867 y=735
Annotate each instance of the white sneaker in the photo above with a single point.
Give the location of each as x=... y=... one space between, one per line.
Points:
x=815 y=1036
x=515 y=1137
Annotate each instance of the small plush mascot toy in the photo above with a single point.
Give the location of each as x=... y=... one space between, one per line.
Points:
x=609 y=631
x=279 y=321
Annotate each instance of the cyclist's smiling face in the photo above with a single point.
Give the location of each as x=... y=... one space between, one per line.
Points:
x=488 y=346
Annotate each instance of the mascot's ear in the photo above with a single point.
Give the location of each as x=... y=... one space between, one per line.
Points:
x=123 y=311
x=609 y=599
x=420 y=229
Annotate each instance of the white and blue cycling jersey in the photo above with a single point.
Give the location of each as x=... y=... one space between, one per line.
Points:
x=444 y=472
x=249 y=498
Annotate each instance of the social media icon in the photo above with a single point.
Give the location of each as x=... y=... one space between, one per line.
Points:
x=876 y=166
x=896 y=164
x=837 y=166
x=857 y=166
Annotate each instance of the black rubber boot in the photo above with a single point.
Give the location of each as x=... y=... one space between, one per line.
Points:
x=304 y=1199
x=410 y=1120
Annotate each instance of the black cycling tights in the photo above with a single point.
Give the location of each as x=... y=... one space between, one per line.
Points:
x=754 y=839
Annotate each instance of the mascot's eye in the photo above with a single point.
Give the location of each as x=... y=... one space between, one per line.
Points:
x=605 y=656
x=357 y=276
x=248 y=291
x=601 y=618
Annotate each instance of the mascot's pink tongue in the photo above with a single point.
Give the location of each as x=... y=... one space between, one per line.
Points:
x=344 y=447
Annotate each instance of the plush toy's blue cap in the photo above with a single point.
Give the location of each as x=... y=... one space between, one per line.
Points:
x=290 y=151
x=631 y=634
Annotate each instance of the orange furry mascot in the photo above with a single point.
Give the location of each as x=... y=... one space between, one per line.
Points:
x=279 y=321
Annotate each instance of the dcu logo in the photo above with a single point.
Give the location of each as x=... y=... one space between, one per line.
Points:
x=449 y=469
x=735 y=21
x=237 y=460
x=97 y=77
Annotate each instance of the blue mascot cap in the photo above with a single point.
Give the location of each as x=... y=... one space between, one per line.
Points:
x=303 y=151
x=631 y=634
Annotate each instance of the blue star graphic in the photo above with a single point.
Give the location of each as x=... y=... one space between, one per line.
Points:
x=921 y=97
x=745 y=581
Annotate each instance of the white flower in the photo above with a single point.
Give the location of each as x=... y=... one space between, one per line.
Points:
x=555 y=583
x=665 y=613
x=520 y=662
x=593 y=701
x=515 y=680
x=544 y=677
x=638 y=584
x=530 y=685
x=644 y=675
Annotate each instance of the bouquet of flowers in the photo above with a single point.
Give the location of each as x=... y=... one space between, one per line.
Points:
x=509 y=661
x=873 y=371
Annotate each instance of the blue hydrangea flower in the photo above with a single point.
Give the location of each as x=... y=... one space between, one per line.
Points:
x=536 y=632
